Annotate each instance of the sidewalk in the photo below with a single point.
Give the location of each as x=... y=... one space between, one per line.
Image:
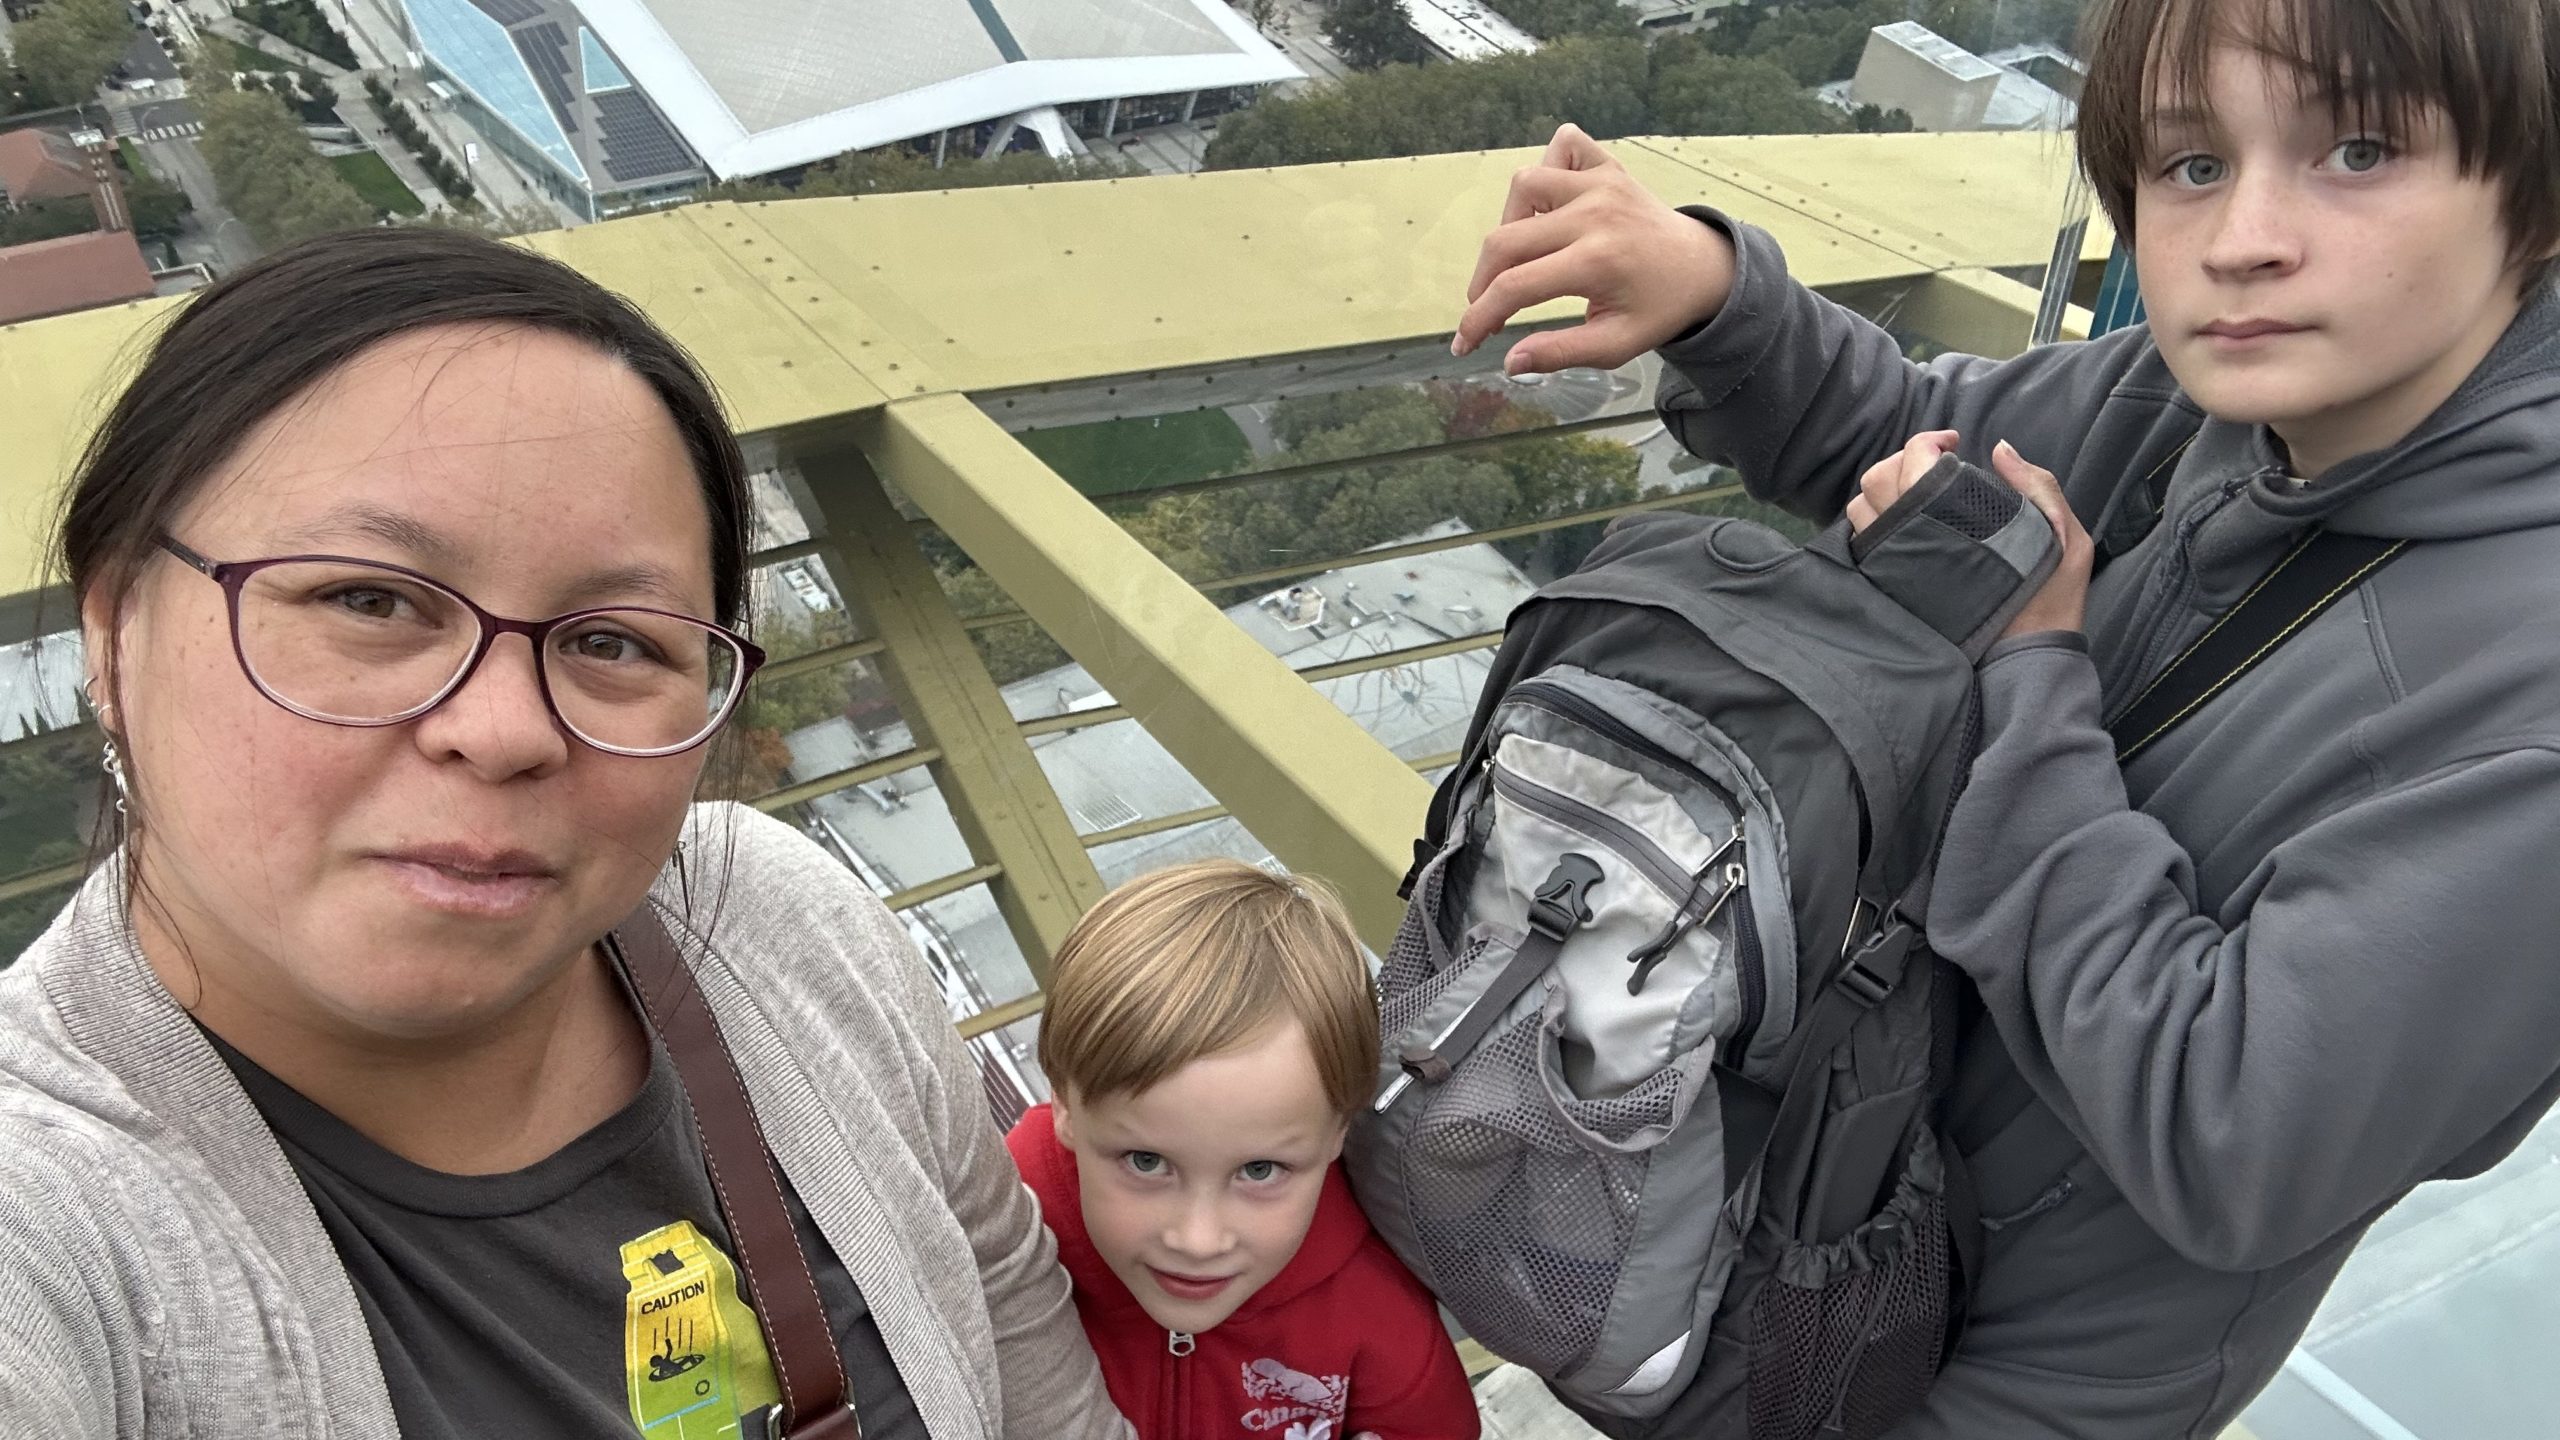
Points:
x=356 y=109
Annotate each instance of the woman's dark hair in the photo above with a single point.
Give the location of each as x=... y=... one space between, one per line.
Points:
x=253 y=343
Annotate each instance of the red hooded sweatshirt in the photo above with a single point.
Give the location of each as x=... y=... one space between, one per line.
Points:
x=1343 y=1341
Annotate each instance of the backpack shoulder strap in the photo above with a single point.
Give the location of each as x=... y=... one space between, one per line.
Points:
x=2313 y=576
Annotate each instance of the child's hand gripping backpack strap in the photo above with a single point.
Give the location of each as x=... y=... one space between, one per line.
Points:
x=1960 y=549
x=817 y=1403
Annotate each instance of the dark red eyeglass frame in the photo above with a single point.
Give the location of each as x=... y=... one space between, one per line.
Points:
x=232 y=575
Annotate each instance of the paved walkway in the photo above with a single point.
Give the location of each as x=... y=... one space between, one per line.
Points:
x=355 y=107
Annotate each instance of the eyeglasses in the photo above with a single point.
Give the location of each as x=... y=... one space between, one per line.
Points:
x=362 y=643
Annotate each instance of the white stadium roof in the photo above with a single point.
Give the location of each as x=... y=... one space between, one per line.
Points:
x=760 y=85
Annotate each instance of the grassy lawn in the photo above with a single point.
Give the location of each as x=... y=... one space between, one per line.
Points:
x=248 y=57
x=1143 y=452
x=374 y=181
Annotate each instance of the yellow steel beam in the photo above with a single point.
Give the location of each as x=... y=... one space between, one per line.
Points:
x=1980 y=312
x=1002 y=1015
x=1301 y=775
x=807 y=311
x=736 y=314
x=999 y=797
x=915 y=757
x=36 y=882
x=1946 y=200
x=932 y=890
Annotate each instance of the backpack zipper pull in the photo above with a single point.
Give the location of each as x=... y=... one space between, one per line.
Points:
x=1653 y=952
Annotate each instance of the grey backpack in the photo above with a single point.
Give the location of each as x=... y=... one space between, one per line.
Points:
x=1657 y=1116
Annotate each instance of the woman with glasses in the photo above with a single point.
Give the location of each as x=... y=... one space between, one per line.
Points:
x=346 y=1099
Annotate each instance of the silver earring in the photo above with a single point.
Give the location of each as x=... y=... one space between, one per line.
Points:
x=113 y=764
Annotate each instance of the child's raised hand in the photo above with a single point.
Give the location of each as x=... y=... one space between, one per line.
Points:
x=1576 y=223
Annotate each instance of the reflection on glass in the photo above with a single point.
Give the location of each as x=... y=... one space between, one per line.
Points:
x=49 y=779
x=795 y=727
x=797 y=606
x=2438 y=1325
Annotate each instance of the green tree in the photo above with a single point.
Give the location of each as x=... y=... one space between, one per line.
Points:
x=48 y=789
x=300 y=23
x=270 y=176
x=1210 y=537
x=1710 y=94
x=1507 y=101
x=1876 y=120
x=158 y=206
x=68 y=47
x=497 y=223
x=1370 y=33
x=1011 y=652
x=1820 y=43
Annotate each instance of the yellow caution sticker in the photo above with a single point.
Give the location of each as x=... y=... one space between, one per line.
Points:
x=693 y=1359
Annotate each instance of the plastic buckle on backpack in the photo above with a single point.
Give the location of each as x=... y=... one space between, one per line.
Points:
x=1563 y=903
x=1872 y=973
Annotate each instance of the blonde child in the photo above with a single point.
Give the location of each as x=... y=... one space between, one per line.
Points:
x=1209 y=1030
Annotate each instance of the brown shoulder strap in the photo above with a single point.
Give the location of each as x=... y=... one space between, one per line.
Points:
x=816 y=1401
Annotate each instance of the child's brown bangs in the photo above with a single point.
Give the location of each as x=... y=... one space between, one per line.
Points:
x=2374 y=64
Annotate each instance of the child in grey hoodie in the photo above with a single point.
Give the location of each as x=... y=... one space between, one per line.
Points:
x=2251 y=987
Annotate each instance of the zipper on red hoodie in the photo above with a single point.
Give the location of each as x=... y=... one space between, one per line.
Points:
x=1178 y=1345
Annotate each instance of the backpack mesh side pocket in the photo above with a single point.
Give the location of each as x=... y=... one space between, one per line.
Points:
x=1846 y=1337
x=1525 y=1222
x=1418 y=967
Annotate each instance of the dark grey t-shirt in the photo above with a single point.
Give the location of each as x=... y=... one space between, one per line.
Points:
x=589 y=1296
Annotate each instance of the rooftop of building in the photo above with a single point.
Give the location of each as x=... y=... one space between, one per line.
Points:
x=538 y=66
x=74 y=272
x=1919 y=40
x=755 y=86
x=1467 y=29
x=39 y=164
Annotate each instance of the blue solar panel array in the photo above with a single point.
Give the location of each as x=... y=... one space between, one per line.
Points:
x=469 y=43
x=637 y=144
x=518 y=61
x=545 y=48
